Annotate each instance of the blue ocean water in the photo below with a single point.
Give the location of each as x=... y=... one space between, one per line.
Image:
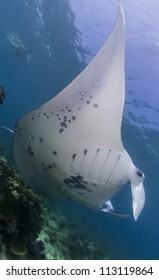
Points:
x=61 y=37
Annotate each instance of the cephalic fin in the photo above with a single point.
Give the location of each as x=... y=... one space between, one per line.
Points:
x=138 y=199
x=137 y=190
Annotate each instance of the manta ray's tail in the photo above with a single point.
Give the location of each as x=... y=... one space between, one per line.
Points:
x=108 y=208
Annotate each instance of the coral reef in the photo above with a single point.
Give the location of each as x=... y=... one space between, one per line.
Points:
x=32 y=228
x=20 y=214
x=67 y=240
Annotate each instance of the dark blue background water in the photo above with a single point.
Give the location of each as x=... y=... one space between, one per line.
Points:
x=61 y=37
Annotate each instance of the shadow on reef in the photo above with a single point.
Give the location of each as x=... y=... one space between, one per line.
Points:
x=32 y=228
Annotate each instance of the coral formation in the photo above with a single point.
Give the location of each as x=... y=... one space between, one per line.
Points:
x=31 y=228
x=20 y=212
x=67 y=240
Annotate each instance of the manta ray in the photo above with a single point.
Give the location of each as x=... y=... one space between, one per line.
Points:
x=71 y=146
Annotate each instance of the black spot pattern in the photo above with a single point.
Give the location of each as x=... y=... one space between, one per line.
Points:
x=63 y=124
x=73 y=156
x=64 y=120
x=49 y=166
x=73 y=118
x=38 y=115
x=77 y=182
x=84 y=96
x=61 y=130
x=30 y=151
x=33 y=116
x=43 y=166
x=41 y=140
x=54 y=153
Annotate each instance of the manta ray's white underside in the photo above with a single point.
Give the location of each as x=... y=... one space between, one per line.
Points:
x=72 y=146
